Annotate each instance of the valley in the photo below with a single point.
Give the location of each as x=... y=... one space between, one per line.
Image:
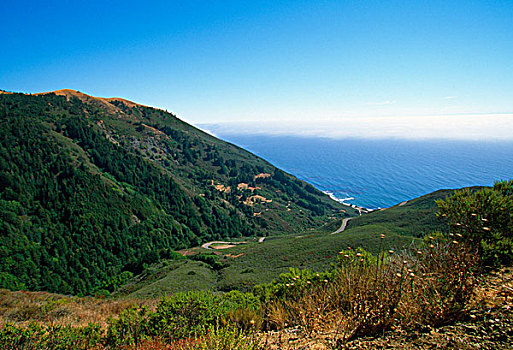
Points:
x=123 y=225
x=248 y=263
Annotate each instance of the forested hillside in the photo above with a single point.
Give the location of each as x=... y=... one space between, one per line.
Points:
x=92 y=190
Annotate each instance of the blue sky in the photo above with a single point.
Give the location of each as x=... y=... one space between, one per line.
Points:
x=270 y=61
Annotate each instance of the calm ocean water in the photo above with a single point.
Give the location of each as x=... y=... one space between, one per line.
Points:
x=374 y=174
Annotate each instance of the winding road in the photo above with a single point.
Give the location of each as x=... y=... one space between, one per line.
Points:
x=261 y=239
x=343 y=226
x=207 y=245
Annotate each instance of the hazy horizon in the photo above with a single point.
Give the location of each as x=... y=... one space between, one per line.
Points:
x=478 y=127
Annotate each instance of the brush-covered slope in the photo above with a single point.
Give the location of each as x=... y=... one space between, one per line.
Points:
x=92 y=190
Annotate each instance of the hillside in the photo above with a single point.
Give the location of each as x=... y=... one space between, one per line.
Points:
x=93 y=190
x=251 y=263
x=246 y=265
x=416 y=217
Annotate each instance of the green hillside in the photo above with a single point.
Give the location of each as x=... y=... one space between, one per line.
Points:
x=253 y=263
x=92 y=191
x=412 y=218
x=415 y=217
x=246 y=265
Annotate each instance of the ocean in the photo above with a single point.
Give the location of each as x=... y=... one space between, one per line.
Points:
x=381 y=173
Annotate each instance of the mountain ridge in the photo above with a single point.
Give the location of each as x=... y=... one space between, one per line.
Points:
x=91 y=189
x=69 y=93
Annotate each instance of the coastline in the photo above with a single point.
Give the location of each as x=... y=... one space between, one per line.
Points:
x=354 y=206
x=383 y=173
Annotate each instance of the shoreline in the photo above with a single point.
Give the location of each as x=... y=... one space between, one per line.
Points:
x=354 y=206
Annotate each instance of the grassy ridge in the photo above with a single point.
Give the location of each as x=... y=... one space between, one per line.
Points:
x=170 y=277
x=261 y=263
x=413 y=218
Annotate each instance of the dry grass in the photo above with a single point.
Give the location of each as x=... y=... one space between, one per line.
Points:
x=222 y=246
x=444 y=285
x=419 y=287
x=21 y=308
x=489 y=325
x=495 y=289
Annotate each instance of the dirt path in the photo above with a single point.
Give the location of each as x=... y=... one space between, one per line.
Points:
x=207 y=245
x=343 y=226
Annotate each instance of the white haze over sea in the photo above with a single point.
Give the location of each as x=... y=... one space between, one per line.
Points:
x=380 y=162
x=487 y=127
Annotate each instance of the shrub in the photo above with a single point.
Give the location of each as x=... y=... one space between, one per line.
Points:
x=185 y=314
x=484 y=219
x=51 y=337
x=442 y=282
x=210 y=259
x=292 y=284
x=213 y=337
x=131 y=326
x=224 y=338
x=243 y=310
x=427 y=285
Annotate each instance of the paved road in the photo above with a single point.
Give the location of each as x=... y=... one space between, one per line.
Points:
x=343 y=226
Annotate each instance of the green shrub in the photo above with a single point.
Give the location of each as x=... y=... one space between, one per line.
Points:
x=131 y=326
x=483 y=218
x=185 y=314
x=211 y=259
x=292 y=284
x=356 y=257
x=51 y=337
x=243 y=310
x=224 y=338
